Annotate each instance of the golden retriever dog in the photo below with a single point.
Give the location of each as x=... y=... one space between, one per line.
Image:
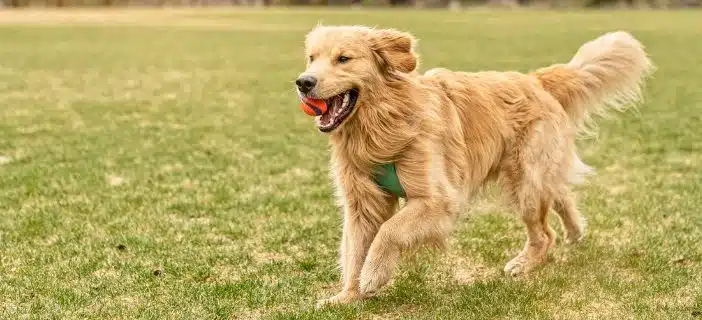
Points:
x=448 y=134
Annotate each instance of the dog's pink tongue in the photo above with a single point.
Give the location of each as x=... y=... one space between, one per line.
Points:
x=327 y=116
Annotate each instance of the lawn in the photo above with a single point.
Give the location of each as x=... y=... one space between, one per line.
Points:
x=155 y=165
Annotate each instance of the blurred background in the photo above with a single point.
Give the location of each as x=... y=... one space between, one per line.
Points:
x=450 y=4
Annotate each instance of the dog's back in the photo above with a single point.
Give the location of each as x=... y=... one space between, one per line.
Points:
x=607 y=72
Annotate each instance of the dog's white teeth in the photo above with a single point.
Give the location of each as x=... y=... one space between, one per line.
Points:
x=346 y=101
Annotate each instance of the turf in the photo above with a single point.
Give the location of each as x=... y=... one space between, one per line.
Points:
x=155 y=165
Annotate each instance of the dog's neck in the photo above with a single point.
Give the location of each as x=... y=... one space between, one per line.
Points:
x=386 y=123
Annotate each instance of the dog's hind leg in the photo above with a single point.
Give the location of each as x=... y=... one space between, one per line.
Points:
x=419 y=222
x=528 y=175
x=573 y=222
x=564 y=201
x=540 y=236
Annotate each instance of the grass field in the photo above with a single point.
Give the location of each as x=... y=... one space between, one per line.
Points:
x=155 y=165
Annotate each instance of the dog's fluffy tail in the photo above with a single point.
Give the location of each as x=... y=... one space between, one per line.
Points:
x=605 y=73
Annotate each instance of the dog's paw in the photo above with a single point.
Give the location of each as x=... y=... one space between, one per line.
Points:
x=576 y=232
x=344 y=297
x=523 y=263
x=571 y=239
x=574 y=236
x=517 y=266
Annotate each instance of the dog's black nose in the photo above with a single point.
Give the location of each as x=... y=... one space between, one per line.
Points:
x=306 y=83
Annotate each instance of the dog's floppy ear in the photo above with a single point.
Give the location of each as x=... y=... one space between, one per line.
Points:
x=395 y=49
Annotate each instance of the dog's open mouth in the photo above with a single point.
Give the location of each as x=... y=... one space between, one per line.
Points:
x=339 y=107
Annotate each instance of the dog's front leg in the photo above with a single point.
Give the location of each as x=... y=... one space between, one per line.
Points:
x=364 y=212
x=419 y=222
x=357 y=237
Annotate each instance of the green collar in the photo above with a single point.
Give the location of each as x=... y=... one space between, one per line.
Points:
x=387 y=179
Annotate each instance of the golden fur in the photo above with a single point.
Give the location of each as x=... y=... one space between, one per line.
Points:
x=451 y=132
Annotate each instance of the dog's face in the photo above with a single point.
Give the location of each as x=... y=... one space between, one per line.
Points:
x=346 y=64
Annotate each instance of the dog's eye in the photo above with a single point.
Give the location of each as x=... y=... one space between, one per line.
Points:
x=311 y=58
x=343 y=59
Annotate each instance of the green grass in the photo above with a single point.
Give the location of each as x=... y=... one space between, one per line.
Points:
x=161 y=169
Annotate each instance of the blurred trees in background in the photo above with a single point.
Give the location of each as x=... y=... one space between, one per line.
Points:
x=660 y=4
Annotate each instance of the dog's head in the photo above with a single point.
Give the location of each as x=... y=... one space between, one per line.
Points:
x=347 y=64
